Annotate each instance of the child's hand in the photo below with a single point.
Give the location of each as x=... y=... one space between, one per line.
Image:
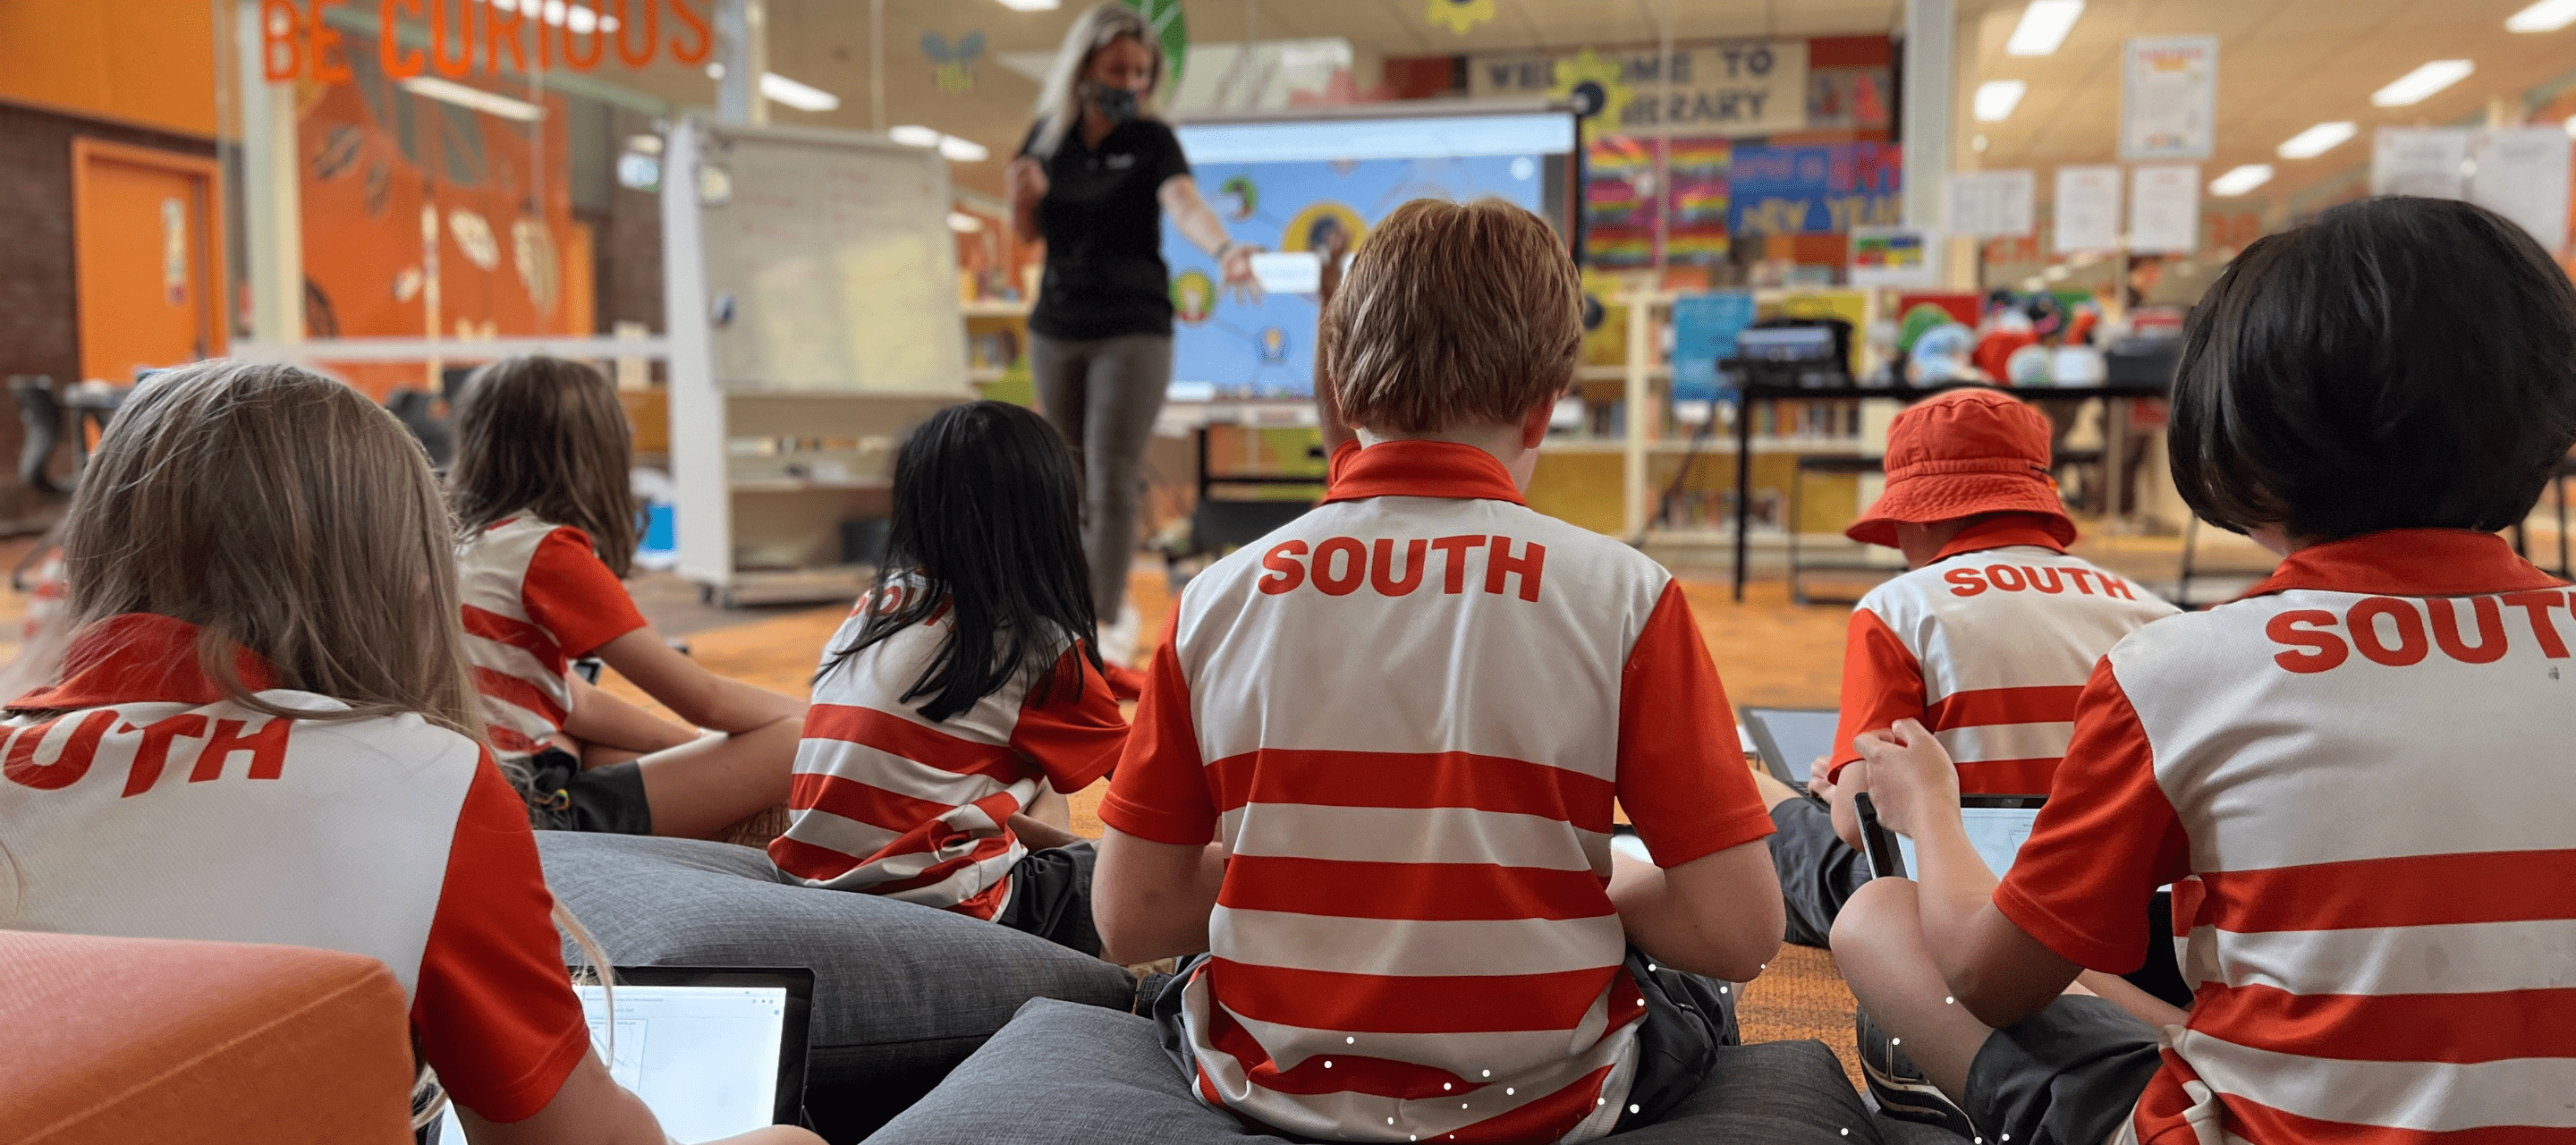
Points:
x=1909 y=776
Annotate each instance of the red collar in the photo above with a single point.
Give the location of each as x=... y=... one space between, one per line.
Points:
x=2408 y=562
x=1419 y=469
x=140 y=657
x=2000 y=532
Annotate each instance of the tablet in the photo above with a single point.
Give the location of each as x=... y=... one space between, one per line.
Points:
x=1996 y=824
x=1790 y=739
x=713 y=1051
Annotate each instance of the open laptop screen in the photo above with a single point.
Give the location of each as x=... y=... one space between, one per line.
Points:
x=1996 y=824
x=705 y=1058
x=1790 y=739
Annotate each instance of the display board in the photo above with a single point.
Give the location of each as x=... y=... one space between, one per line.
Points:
x=1285 y=185
x=827 y=254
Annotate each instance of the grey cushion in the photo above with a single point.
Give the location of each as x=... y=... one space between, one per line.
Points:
x=1082 y=1074
x=901 y=992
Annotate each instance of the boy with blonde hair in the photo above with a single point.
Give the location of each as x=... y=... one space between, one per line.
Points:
x=1374 y=768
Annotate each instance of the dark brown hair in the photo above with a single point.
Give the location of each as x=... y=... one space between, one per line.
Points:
x=1451 y=315
x=546 y=437
x=2394 y=363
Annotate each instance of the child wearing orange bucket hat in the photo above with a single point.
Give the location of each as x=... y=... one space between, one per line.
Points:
x=1986 y=640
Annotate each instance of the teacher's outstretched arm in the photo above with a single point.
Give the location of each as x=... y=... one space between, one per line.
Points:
x=1199 y=223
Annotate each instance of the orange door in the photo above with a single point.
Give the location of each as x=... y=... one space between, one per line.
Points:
x=149 y=252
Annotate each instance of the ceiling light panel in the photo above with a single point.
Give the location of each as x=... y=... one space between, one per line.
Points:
x=802 y=97
x=2318 y=140
x=2240 y=180
x=2419 y=85
x=2044 y=25
x=2546 y=16
x=1996 y=99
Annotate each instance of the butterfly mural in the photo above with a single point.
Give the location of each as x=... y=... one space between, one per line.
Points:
x=954 y=74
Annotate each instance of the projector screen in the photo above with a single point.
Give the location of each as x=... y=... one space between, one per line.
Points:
x=1284 y=185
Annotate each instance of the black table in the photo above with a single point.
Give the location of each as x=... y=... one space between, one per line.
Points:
x=1754 y=392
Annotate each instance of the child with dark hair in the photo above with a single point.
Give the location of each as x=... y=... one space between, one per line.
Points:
x=962 y=700
x=2361 y=762
x=547 y=527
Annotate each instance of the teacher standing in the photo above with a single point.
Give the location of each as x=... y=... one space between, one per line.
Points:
x=1094 y=180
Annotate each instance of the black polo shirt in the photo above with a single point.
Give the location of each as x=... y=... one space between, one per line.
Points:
x=1105 y=275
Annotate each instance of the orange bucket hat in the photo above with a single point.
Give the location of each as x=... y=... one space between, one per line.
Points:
x=1960 y=454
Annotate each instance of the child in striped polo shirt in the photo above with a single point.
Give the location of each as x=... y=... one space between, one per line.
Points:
x=1374 y=769
x=1986 y=640
x=2363 y=761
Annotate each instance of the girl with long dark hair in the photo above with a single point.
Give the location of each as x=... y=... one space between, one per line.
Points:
x=963 y=699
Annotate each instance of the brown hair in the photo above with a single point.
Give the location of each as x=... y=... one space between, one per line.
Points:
x=1060 y=98
x=1452 y=314
x=547 y=437
x=281 y=512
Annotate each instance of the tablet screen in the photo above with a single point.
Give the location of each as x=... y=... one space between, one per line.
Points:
x=1997 y=833
x=704 y=1058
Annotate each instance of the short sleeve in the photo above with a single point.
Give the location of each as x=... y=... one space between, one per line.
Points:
x=1074 y=738
x=1882 y=683
x=1168 y=159
x=1682 y=776
x=1160 y=790
x=571 y=594
x=2104 y=841
x=495 y=1009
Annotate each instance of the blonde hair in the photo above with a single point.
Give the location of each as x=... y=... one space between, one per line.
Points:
x=545 y=436
x=280 y=512
x=1060 y=98
x=1452 y=315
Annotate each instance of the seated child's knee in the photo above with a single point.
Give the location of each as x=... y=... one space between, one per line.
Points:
x=1875 y=910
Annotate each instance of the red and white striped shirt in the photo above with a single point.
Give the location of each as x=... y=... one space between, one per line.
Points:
x=1407 y=714
x=1988 y=645
x=153 y=807
x=537 y=597
x=889 y=802
x=2366 y=764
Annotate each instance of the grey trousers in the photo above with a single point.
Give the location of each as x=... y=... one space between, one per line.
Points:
x=1103 y=397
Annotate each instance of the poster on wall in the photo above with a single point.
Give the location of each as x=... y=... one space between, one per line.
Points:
x=1704 y=330
x=1739 y=87
x=1992 y=204
x=2169 y=97
x=2521 y=173
x=1815 y=190
x=1891 y=256
x=1287 y=186
x=1622 y=194
x=2088 y=209
x=2164 y=208
x=2427 y=161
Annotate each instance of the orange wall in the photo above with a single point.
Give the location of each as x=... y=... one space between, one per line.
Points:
x=141 y=61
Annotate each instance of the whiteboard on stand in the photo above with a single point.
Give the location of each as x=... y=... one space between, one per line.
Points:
x=828 y=263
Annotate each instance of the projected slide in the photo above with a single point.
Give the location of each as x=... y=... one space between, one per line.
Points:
x=1287 y=187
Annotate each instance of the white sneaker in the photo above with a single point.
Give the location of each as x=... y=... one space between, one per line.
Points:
x=1118 y=638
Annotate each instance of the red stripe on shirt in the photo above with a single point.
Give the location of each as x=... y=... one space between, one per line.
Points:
x=2457 y=1028
x=1424 y=891
x=1412 y=780
x=2007 y=776
x=927 y=746
x=516 y=692
x=2415 y=890
x=1410 y=1004
x=1545 y=1119
x=1349 y=1073
x=519 y=634
x=851 y=799
x=2255 y=1121
x=2036 y=704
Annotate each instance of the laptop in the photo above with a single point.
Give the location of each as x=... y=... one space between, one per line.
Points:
x=713 y=1051
x=1996 y=824
x=1790 y=739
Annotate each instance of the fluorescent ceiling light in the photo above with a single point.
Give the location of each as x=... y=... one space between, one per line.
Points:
x=2416 y=86
x=963 y=223
x=581 y=18
x=802 y=97
x=963 y=150
x=2239 y=180
x=2043 y=27
x=2318 y=140
x=913 y=135
x=1997 y=98
x=462 y=96
x=1032 y=5
x=2546 y=16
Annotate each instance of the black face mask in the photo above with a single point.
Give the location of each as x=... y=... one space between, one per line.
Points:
x=1117 y=103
